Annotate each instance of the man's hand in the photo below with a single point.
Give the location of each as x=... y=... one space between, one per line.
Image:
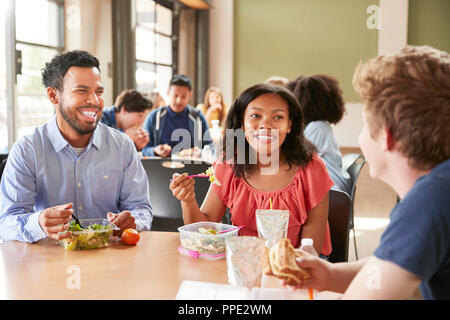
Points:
x=139 y=136
x=124 y=220
x=54 y=221
x=163 y=150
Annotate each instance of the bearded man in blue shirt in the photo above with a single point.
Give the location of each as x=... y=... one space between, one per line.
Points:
x=72 y=165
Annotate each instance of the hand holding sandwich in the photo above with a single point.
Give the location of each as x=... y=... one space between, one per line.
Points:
x=319 y=269
x=300 y=269
x=325 y=275
x=280 y=261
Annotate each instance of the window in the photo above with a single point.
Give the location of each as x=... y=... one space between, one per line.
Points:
x=154 y=34
x=3 y=106
x=37 y=39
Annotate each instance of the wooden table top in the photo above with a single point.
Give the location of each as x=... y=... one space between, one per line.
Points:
x=153 y=269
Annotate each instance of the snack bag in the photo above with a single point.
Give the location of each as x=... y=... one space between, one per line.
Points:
x=272 y=225
x=245 y=258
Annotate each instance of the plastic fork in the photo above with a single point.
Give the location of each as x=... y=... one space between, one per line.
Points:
x=229 y=230
x=196 y=176
x=75 y=217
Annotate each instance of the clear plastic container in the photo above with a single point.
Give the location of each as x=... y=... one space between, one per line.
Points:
x=196 y=244
x=90 y=239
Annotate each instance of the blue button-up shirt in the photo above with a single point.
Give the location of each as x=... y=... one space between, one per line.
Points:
x=43 y=171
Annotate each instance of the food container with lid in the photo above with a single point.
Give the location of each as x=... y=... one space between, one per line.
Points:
x=205 y=240
x=95 y=234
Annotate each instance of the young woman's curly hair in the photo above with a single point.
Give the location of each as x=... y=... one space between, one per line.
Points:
x=320 y=97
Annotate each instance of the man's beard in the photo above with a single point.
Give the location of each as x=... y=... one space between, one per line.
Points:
x=73 y=122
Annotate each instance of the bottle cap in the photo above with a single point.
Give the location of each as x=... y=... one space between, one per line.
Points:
x=307 y=242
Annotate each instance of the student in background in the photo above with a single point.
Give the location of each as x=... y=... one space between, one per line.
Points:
x=321 y=100
x=157 y=99
x=405 y=140
x=213 y=106
x=192 y=129
x=128 y=114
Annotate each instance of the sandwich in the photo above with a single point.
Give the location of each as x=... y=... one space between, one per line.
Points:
x=280 y=262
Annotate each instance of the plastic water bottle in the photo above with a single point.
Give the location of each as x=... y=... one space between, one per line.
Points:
x=215 y=131
x=307 y=245
x=207 y=154
x=215 y=124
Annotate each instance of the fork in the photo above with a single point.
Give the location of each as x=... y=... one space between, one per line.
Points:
x=75 y=217
x=196 y=176
x=229 y=230
x=77 y=221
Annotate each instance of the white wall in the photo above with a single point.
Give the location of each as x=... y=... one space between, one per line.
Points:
x=221 y=48
x=393 y=32
x=348 y=129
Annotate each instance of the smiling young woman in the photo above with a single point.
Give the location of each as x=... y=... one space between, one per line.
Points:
x=270 y=121
x=266 y=124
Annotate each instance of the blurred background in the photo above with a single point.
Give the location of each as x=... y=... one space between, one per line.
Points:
x=229 y=44
x=223 y=43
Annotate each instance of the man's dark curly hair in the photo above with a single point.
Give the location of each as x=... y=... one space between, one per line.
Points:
x=132 y=100
x=55 y=70
x=296 y=148
x=320 y=97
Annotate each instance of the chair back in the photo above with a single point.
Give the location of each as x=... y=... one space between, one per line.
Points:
x=2 y=165
x=167 y=214
x=338 y=220
x=353 y=163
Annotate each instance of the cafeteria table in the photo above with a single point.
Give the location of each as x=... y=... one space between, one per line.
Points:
x=152 y=269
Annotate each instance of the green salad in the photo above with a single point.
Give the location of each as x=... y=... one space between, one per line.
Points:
x=92 y=237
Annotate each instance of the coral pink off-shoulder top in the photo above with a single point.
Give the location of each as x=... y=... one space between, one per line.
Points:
x=306 y=190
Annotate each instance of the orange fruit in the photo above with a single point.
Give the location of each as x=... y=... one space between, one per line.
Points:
x=130 y=236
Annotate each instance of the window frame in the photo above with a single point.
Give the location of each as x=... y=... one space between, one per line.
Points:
x=13 y=60
x=173 y=37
